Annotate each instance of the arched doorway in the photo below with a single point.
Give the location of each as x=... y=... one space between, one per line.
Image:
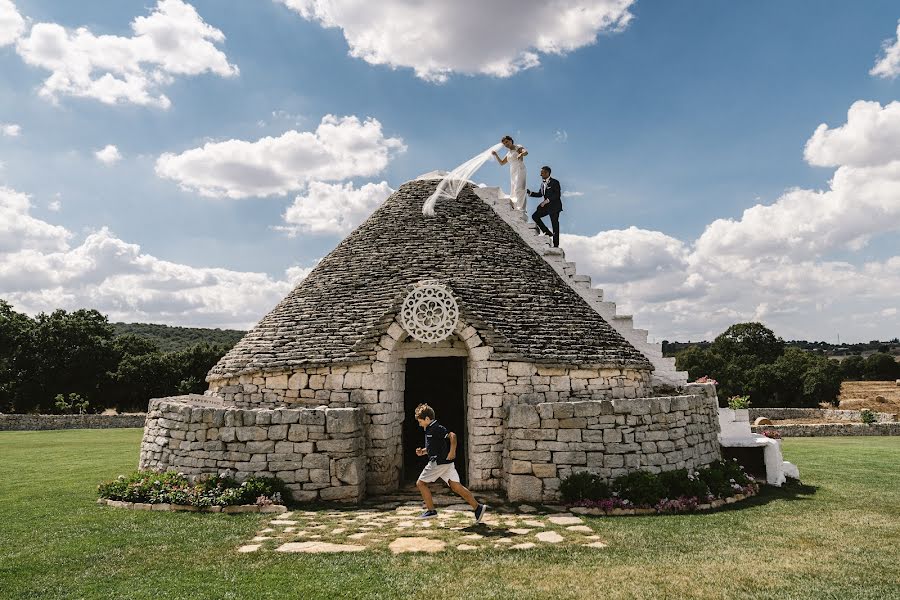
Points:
x=441 y=383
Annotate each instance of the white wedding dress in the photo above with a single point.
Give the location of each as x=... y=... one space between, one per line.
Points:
x=516 y=177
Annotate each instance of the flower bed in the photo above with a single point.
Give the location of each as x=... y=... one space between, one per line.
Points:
x=149 y=490
x=641 y=492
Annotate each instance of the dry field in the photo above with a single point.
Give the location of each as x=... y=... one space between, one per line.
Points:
x=880 y=396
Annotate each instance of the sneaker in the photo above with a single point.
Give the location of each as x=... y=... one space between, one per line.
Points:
x=479 y=512
x=428 y=514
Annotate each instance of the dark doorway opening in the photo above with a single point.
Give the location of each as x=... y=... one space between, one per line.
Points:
x=440 y=383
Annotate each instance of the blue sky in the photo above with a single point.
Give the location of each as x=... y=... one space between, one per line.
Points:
x=686 y=113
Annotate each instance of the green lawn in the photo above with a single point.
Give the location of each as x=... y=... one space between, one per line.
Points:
x=838 y=537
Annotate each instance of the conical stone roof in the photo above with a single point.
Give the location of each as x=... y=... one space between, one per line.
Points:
x=519 y=304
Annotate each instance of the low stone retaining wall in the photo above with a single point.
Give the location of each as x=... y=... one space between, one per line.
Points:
x=547 y=442
x=825 y=414
x=45 y=422
x=228 y=510
x=832 y=429
x=318 y=452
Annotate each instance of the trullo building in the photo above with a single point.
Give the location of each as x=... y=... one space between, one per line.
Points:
x=469 y=311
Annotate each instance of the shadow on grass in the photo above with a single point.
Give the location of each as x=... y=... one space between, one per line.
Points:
x=791 y=491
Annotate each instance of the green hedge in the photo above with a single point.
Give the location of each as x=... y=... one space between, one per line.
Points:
x=669 y=490
x=151 y=487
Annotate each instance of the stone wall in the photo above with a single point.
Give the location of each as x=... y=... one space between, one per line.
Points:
x=43 y=422
x=493 y=385
x=825 y=414
x=832 y=429
x=548 y=441
x=318 y=452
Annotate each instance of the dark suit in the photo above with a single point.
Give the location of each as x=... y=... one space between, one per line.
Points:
x=552 y=193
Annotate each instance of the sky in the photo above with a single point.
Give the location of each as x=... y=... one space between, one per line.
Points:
x=189 y=162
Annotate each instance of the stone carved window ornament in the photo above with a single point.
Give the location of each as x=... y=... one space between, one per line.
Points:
x=429 y=313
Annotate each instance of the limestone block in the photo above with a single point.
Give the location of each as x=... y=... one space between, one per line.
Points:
x=614 y=461
x=342 y=420
x=515 y=444
x=298 y=433
x=524 y=488
x=319 y=475
x=297 y=381
x=665 y=446
x=278 y=432
x=551 y=371
x=573 y=423
x=481 y=353
x=348 y=445
x=523 y=416
x=350 y=470
x=312 y=417
x=563 y=410
x=544 y=470
x=520 y=369
x=560 y=383
x=277 y=382
x=569 y=458
x=520 y=467
x=569 y=435
x=553 y=446
x=284 y=447
x=260 y=447
x=253 y=433
x=491 y=401
x=612 y=435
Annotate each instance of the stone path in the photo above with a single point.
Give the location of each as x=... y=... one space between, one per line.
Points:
x=394 y=527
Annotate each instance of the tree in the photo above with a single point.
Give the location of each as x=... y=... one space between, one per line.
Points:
x=749 y=343
x=15 y=329
x=881 y=367
x=852 y=368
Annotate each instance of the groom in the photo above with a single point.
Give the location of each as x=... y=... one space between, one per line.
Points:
x=552 y=204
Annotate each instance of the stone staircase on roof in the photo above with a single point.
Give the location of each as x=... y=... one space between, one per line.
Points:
x=665 y=373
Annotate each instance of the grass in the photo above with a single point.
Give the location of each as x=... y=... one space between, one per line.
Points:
x=835 y=537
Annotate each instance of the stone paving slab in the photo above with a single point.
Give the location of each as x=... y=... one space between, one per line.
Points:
x=395 y=527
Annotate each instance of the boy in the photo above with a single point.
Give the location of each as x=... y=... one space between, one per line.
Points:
x=440 y=447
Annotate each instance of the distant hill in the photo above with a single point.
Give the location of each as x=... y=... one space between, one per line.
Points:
x=170 y=339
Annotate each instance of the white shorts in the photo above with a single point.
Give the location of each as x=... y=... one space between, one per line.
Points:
x=433 y=471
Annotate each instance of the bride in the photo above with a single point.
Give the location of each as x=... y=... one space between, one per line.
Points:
x=515 y=158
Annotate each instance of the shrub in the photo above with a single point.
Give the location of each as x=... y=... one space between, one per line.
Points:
x=669 y=491
x=640 y=488
x=682 y=483
x=739 y=402
x=868 y=417
x=583 y=485
x=174 y=488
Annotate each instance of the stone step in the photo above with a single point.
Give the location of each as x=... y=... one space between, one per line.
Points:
x=664 y=369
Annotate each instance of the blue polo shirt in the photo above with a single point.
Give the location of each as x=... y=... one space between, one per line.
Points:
x=437 y=443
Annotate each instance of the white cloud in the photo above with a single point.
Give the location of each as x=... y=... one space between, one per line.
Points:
x=771 y=264
x=888 y=66
x=339 y=148
x=173 y=40
x=337 y=209
x=108 y=155
x=11 y=23
x=571 y=194
x=41 y=271
x=20 y=231
x=871 y=137
x=472 y=37
x=561 y=136
x=10 y=129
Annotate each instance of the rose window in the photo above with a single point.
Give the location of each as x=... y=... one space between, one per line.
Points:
x=429 y=313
